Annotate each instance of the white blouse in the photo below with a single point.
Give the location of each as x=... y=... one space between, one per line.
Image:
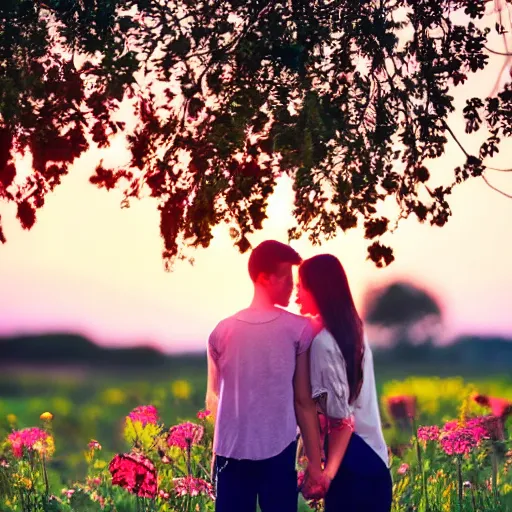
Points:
x=329 y=384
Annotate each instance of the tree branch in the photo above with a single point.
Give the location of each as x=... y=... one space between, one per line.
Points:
x=509 y=196
x=467 y=154
x=505 y=54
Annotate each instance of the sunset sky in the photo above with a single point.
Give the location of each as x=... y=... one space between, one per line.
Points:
x=89 y=266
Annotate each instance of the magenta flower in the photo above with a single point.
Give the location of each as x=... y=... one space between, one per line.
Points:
x=33 y=439
x=487 y=427
x=145 y=414
x=458 y=439
x=193 y=487
x=185 y=435
x=451 y=425
x=428 y=433
x=135 y=473
x=202 y=415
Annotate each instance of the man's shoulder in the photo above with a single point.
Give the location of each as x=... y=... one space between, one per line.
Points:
x=221 y=324
x=293 y=318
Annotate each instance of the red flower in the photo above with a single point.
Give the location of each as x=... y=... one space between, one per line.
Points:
x=135 y=473
x=401 y=407
x=500 y=407
x=185 y=435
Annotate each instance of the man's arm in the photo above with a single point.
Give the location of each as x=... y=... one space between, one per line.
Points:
x=213 y=386
x=212 y=398
x=305 y=410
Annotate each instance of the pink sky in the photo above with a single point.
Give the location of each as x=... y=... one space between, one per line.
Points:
x=88 y=266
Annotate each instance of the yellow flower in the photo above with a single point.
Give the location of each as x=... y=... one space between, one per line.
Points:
x=46 y=416
x=181 y=389
x=62 y=406
x=26 y=482
x=46 y=447
x=11 y=419
x=113 y=396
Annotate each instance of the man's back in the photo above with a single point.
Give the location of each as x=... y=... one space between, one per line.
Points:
x=255 y=351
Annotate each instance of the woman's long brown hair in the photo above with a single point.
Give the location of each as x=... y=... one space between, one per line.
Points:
x=325 y=278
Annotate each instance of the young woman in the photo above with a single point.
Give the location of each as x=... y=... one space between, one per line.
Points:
x=343 y=384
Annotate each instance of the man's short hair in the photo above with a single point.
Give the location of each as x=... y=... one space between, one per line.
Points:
x=267 y=256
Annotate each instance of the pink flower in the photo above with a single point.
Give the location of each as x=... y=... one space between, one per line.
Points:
x=193 y=487
x=33 y=439
x=185 y=435
x=451 y=425
x=135 y=473
x=145 y=414
x=93 y=482
x=94 y=445
x=68 y=493
x=202 y=415
x=403 y=469
x=429 y=433
x=163 y=494
x=301 y=475
x=487 y=427
x=458 y=439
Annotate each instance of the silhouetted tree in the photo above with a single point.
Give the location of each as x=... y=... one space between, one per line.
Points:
x=348 y=97
x=403 y=309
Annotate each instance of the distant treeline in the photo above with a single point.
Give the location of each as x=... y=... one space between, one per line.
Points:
x=480 y=354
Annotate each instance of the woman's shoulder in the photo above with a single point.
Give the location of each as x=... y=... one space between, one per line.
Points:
x=324 y=345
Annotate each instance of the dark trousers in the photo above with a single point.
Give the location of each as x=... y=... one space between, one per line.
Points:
x=272 y=482
x=363 y=482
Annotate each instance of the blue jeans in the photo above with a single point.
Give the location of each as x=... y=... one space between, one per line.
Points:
x=272 y=482
x=363 y=482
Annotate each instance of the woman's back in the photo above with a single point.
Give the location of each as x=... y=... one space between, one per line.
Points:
x=328 y=374
x=366 y=409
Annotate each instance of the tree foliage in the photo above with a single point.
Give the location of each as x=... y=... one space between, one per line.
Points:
x=400 y=307
x=350 y=98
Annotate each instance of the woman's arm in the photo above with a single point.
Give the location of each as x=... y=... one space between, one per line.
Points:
x=305 y=410
x=339 y=432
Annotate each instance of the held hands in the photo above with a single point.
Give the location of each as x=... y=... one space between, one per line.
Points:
x=314 y=484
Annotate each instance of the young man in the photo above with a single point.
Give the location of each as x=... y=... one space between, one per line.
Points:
x=259 y=389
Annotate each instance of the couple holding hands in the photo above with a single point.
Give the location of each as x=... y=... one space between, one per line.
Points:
x=270 y=371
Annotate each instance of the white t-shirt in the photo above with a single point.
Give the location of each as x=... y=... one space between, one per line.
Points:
x=329 y=377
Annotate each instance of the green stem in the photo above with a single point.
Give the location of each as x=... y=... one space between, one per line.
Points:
x=459 y=481
x=473 y=496
x=189 y=450
x=45 y=473
x=494 y=460
x=420 y=465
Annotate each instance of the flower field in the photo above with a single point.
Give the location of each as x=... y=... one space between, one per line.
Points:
x=82 y=444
